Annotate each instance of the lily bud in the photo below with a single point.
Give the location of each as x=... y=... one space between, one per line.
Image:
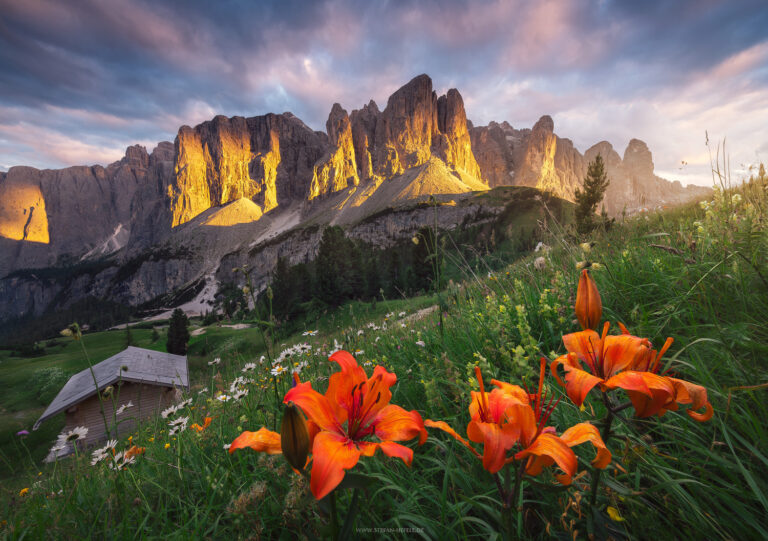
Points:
x=294 y=437
x=589 y=307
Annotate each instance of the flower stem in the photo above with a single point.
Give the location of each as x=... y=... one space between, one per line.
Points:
x=334 y=517
x=605 y=434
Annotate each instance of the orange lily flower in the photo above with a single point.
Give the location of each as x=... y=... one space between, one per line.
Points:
x=206 y=423
x=604 y=356
x=656 y=395
x=353 y=409
x=340 y=423
x=505 y=417
x=589 y=307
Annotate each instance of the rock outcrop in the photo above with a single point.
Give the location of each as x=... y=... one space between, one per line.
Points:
x=268 y=158
x=541 y=159
x=47 y=215
x=337 y=170
x=364 y=136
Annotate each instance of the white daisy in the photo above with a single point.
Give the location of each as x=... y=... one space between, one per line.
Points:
x=227 y=445
x=240 y=394
x=217 y=360
x=309 y=333
x=183 y=404
x=249 y=367
x=279 y=369
x=203 y=390
x=178 y=425
x=359 y=352
x=401 y=314
x=97 y=456
x=224 y=398
x=124 y=407
x=77 y=433
x=168 y=412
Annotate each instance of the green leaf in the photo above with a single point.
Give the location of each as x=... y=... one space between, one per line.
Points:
x=356 y=480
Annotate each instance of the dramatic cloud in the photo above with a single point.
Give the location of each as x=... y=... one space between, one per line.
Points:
x=80 y=81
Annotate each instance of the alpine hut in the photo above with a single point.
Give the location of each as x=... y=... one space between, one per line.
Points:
x=122 y=389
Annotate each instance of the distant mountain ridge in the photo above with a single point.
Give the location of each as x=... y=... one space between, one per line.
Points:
x=280 y=175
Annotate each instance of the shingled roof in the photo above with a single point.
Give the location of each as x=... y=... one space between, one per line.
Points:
x=133 y=364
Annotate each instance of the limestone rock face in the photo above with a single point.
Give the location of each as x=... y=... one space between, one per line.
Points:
x=550 y=163
x=338 y=169
x=47 y=215
x=493 y=153
x=453 y=144
x=638 y=160
x=267 y=158
x=363 y=137
x=405 y=128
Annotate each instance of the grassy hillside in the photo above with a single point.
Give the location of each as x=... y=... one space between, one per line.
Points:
x=695 y=274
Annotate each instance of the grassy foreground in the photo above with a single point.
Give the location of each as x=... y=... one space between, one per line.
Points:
x=695 y=274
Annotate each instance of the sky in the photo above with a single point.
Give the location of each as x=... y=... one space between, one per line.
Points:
x=83 y=79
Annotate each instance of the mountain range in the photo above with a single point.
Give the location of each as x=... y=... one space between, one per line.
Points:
x=234 y=191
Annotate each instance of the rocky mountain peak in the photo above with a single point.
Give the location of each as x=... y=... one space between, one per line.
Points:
x=337 y=170
x=544 y=124
x=337 y=124
x=136 y=156
x=638 y=158
x=607 y=153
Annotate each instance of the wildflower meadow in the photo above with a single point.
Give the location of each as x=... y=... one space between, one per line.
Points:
x=610 y=387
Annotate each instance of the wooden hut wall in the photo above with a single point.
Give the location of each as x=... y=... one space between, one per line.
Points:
x=147 y=400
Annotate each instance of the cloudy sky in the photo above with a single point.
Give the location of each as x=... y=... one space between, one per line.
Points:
x=81 y=80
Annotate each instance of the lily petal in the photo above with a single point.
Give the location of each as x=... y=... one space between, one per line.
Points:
x=496 y=442
x=263 y=440
x=622 y=351
x=396 y=450
x=445 y=427
x=341 y=384
x=650 y=394
x=584 y=432
x=332 y=455
x=549 y=449
x=578 y=383
x=315 y=406
x=377 y=394
x=586 y=345
x=696 y=396
x=393 y=423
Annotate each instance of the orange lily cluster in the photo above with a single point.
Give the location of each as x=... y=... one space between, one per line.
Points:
x=509 y=416
x=624 y=361
x=342 y=422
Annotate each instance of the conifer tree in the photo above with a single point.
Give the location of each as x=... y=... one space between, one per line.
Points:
x=587 y=199
x=178 y=334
